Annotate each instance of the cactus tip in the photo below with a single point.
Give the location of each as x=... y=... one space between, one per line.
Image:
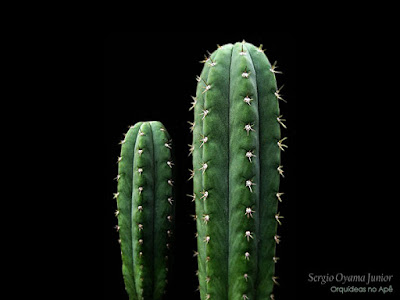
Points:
x=191 y=149
x=280 y=121
x=281 y=145
x=206 y=218
x=206 y=88
x=277 y=217
x=248 y=128
x=207 y=239
x=194 y=102
x=205 y=195
x=249 y=155
x=193 y=196
x=242 y=52
x=278 y=195
x=279 y=96
x=249 y=212
x=249 y=183
x=245 y=74
x=274 y=67
x=248 y=235
x=260 y=49
x=204 y=113
x=280 y=170
x=247 y=100
x=204 y=167
x=275 y=280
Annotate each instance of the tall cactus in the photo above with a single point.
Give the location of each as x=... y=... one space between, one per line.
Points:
x=145 y=201
x=236 y=159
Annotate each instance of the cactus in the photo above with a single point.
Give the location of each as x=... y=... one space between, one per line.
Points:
x=145 y=202
x=236 y=160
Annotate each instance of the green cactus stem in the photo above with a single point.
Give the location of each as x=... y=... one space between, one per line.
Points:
x=236 y=161
x=145 y=201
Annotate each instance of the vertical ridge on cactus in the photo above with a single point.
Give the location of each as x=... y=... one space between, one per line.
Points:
x=236 y=158
x=145 y=209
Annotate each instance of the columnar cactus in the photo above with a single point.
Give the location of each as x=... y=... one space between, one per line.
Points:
x=236 y=160
x=145 y=201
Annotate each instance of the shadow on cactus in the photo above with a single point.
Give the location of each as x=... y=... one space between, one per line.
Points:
x=237 y=168
x=145 y=201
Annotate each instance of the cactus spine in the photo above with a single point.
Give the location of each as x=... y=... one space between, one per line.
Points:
x=145 y=212
x=236 y=159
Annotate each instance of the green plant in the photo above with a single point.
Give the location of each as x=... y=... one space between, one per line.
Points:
x=145 y=201
x=236 y=160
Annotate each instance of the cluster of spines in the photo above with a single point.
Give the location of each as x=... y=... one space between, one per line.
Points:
x=145 y=208
x=202 y=135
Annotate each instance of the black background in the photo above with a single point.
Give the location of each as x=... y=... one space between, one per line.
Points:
x=340 y=168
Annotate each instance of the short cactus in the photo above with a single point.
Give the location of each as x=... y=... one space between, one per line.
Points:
x=145 y=201
x=237 y=168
